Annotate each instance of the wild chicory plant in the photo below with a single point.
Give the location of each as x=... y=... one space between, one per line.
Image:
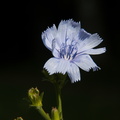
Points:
x=71 y=47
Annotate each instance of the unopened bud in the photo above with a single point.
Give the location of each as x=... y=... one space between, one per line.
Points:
x=35 y=97
x=55 y=114
x=19 y=118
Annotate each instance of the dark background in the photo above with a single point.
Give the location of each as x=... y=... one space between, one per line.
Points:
x=22 y=56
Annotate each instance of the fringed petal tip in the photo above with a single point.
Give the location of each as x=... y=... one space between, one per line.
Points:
x=74 y=73
x=71 y=22
x=104 y=49
x=47 y=71
x=75 y=81
x=96 y=68
x=48 y=36
x=49 y=30
x=56 y=72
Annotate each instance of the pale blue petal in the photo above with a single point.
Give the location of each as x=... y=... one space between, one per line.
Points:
x=90 y=42
x=67 y=30
x=56 y=53
x=95 y=51
x=55 y=49
x=63 y=66
x=74 y=73
x=51 y=65
x=54 y=65
x=83 y=34
x=73 y=31
x=48 y=36
x=85 y=62
x=61 y=34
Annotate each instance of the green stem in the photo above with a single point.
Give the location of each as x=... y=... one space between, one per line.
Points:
x=43 y=113
x=59 y=101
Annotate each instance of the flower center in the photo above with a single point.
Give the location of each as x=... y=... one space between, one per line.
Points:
x=68 y=52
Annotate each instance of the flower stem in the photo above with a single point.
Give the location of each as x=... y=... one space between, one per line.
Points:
x=59 y=101
x=43 y=113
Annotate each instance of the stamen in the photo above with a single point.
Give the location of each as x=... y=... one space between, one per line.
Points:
x=68 y=52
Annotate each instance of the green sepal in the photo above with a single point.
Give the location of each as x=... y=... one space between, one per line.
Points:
x=41 y=96
x=56 y=78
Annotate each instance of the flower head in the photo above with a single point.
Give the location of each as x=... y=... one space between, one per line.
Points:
x=71 y=47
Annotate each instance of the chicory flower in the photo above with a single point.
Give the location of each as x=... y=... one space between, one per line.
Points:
x=71 y=47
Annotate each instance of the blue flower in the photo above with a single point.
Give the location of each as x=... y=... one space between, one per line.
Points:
x=71 y=47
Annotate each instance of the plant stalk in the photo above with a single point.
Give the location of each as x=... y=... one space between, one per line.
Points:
x=43 y=113
x=59 y=101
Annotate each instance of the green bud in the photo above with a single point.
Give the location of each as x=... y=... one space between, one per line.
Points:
x=35 y=97
x=55 y=114
x=18 y=118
